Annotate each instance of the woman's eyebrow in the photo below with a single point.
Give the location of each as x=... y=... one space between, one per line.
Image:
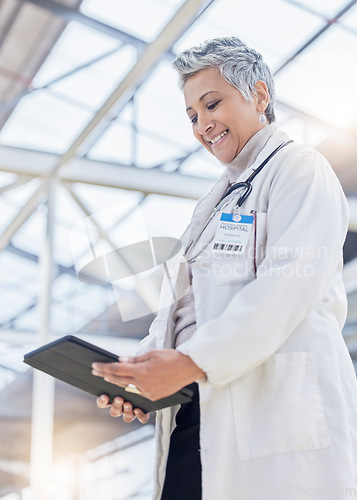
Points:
x=203 y=96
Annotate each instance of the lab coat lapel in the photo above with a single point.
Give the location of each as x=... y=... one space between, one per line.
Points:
x=206 y=206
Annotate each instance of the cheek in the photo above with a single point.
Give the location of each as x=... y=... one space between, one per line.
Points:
x=196 y=134
x=199 y=138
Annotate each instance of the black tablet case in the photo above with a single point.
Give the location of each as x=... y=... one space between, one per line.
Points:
x=69 y=359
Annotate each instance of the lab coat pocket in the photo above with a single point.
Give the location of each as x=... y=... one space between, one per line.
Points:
x=278 y=408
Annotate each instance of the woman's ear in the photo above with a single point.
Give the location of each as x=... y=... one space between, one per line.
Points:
x=261 y=96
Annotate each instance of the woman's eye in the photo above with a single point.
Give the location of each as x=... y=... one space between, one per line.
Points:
x=213 y=105
x=193 y=119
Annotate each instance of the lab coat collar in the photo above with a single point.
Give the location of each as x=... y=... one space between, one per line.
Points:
x=207 y=204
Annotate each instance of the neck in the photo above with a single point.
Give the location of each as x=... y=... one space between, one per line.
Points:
x=249 y=153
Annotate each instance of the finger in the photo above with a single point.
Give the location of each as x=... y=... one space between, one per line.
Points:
x=117 y=407
x=128 y=415
x=122 y=382
x=103 y=401
x=141 y=416
x=119 y=369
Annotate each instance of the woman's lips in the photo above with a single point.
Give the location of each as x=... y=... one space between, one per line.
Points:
x=219 y=138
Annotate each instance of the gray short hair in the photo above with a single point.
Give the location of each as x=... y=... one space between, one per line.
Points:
x=239 y=65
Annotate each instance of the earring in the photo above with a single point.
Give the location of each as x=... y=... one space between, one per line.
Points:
x=262 y=118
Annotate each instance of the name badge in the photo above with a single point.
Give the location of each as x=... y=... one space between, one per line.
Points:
x=232 y=234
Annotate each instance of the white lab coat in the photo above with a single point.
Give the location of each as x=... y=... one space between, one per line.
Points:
x=279 y=405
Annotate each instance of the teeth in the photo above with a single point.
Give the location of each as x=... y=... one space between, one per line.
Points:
x=218 y=137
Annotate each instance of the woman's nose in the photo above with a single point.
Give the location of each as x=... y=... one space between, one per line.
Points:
x=204 y=125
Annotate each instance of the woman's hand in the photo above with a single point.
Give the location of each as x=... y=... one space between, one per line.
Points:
x=121 y=407
x=156 y=374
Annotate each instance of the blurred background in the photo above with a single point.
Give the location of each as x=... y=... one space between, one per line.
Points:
x=92 y=130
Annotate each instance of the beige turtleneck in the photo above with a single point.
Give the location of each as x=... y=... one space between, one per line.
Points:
x=247 y=156
x=184 y=316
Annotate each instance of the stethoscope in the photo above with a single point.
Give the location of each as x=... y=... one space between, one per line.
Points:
x=189 y=253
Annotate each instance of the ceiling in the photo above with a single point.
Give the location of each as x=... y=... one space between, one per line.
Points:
x=93 y=132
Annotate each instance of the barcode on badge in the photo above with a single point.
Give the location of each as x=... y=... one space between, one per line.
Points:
x=227 y=247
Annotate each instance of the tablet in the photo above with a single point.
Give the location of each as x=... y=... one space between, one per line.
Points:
x=70 y=359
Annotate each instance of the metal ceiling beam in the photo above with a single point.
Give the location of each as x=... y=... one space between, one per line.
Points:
x=164 y=41
x=61 y=269
x=145 y=289
x=11 y=103
x=23 y=254
x=311 y=10
x=72 y=14
x=45 y=31
x=115 y=112
x=22 y=179
x=26 y=161
x=9 y=23
x=328 y=25
x=147 y=181
x=44 y=386
x=23 y=214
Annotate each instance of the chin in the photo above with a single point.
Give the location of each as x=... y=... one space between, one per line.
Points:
x=225 y=158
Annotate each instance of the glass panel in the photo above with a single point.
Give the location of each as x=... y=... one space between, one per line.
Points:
x=13 y=303
x=350 y=19
x=19 y=286
x=160 y=117
x=133 y=17
x=43 y=122
x=302 y=131
x=102 y=199
x=51 y=119
x=152 y=152
x=322 y=80
x=202 y=164
x=7 y=214
x=115 y=145
x=90 y=87
x=77 y=45
x=7 y=178
x=31 y=234
x=6 y=376
x=76 y=304
x=273 y=28
x=28 y=321
x=167 y=215
x=161 y=109
x=67 y=214
x=11 y=357
x=325 y=8
x=17 y=272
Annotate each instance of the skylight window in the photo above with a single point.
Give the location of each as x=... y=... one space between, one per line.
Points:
x=116 y=14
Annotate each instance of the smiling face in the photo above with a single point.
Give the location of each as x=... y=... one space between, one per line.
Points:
x=222 y=120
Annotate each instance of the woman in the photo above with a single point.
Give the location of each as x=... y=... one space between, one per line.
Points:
x=259 y=329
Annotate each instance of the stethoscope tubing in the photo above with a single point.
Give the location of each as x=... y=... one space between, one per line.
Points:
x=248 y=181
x=230 y=190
